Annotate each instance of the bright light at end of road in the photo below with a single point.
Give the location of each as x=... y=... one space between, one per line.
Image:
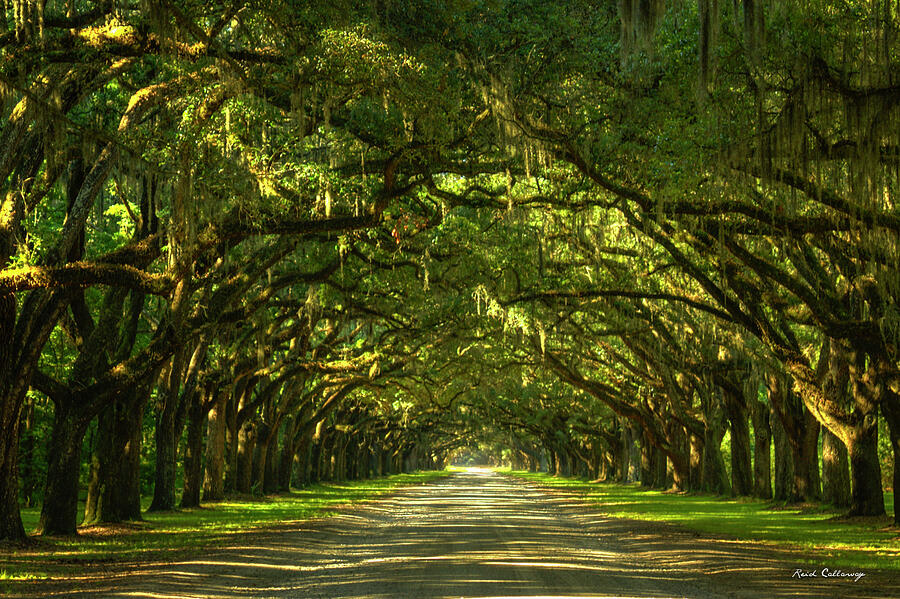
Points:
x=478 y=470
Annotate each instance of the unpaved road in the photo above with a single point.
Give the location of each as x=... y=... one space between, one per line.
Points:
x=477 y=535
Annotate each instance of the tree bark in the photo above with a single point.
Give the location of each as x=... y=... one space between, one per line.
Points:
x=11 y=527
x=784 y=461
x=890 y=407
x=193 y=449
x=762 y=441
x=214 y=471
x=27 y=451
x=246 y=443
x=59 y=511
x=114 y=491
x=867 y=497
x=835 y=471
x=741 y=477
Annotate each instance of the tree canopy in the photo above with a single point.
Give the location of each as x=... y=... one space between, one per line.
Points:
x=255 y=244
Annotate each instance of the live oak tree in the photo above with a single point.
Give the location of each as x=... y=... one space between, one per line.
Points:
x=345 y=240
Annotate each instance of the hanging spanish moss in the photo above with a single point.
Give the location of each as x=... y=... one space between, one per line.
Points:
x=639 y=20
x=709 y=32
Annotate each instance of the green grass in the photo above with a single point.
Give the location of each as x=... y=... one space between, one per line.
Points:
x=184 y=531
x=856 y=544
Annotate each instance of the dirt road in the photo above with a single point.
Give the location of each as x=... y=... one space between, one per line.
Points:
x=478 y=535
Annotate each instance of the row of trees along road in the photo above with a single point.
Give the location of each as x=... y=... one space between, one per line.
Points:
x=262 y=244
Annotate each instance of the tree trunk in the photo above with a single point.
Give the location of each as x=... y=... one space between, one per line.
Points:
x=246 y=442
x=695 y=480
x=784 y=461
x=231 y=443
x=890 y=407
x=164 y=478
x=867 y=497
x=59 y=511
x=762 y=441
x=193 y=449
x=11 y=528
x=260 y=456
x=801 y=432
x=835 y=470
x=647 y=462
x=288 y=453
x=270 y=470
x=114 y=491
x=658 y=467
x=741 y=468
x=26 y=453
x=214 y=471
x=715 y=477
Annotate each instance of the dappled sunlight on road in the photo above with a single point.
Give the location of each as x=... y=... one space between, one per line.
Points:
x=478 y=535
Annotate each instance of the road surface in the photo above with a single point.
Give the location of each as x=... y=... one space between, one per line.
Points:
x=478 y=534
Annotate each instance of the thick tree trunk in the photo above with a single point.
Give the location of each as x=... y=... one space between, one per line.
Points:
x=715 y=477
x=288 y=453
x=164 y=478
x=214 y=470
x=59 y=511
x=762 y=441
x=386 y=462
x=695 y=480
x=658 y=468
x=647 y=462
x=114 y=491
x=375 y=458
x=801 y=431
x=231 y=444
x=890 y=407
x=270 y=471
x=26 y=454
x=260 y=457
x=784 y=460
x=11 y=527
x=867 y=497
x=835 y=470
x=193 y=450
x=245 y=445
x=741 y=468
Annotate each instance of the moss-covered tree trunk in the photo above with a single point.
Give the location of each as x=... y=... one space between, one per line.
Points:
x=801 y=431
x=738 y=420
x=784 y=460
x=164 y=436
x=214 y=469
x=867 y=496
x=231 y=444
x=114 y=490
x=715 y=477
x=193 y=451
x=246 y=443
x=762 y=442
x=835 y=470
x=288 y=452
x=59 y=511
x=695 y=480
x=27 y=449
x=270 y=470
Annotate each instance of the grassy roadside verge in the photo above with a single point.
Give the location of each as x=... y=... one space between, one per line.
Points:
x=829 y=541
x=181 y=533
